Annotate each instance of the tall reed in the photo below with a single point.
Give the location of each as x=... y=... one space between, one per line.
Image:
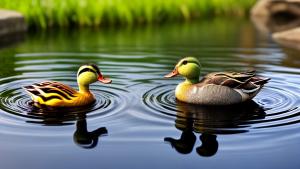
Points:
x=47 y=13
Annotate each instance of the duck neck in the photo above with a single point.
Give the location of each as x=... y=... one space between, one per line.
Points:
x=84 y=88
x=191 y=81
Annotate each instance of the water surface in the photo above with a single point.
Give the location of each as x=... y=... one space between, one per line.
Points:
x=136 y=121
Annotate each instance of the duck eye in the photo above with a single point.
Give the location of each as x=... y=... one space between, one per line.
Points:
x=184 y=62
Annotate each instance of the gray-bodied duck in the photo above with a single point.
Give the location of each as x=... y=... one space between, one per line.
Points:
x=218 y=88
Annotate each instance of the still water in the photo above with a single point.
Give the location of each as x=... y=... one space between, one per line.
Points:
x=136 y=121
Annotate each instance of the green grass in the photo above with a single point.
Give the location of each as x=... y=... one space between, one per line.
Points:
x=47 y=13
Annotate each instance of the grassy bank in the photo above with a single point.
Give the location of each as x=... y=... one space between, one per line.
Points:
x=47 y=13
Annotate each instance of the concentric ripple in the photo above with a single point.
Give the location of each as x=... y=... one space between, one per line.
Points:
x=17 y=102
x=20 y=116
x=276 y=105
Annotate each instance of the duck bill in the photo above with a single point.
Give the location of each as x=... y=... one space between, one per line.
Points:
x=172 y=74
x=103 y=79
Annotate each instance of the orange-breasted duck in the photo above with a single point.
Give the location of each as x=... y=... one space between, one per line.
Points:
x=56 y=94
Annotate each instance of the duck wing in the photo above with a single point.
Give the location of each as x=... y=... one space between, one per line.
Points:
x=51 y=90
x=248 y=81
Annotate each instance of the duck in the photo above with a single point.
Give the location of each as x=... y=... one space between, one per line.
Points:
x=216 y=88
x=56 y=94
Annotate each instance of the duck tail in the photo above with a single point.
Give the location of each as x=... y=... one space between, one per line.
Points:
x=31 y=90
x=250 y=71
x=260 y=80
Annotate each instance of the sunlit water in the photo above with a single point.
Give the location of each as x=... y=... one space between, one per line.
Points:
x=136 y=121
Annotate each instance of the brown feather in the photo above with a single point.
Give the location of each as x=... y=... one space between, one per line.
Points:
x=63 y=91
x=238 y=80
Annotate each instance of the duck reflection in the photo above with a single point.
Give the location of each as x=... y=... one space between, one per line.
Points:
x=59 y=117
x=210 y=121
x=185 y=143
x=209 y=145
x=85 y=139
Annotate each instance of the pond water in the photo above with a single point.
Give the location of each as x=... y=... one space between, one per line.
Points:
x=136 y=121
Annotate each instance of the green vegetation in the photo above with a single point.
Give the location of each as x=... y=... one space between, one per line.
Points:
x=47 y=13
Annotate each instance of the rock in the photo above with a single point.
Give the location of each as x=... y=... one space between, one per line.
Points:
x=274 y=15
x=272 y=7
x=280 y=17
x=289 y=38
x=261 y=8
x=11 y=22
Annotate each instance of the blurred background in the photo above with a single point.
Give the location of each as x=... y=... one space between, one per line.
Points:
x=73 y=13
x=136 y=122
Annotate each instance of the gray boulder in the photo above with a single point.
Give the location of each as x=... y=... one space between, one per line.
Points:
x=279 y=17
x=11 y=22
x=289 y=38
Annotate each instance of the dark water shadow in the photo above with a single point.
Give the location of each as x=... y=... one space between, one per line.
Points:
x=66 y=116
x=209 y=122
x=85 y=139
x=11 y=39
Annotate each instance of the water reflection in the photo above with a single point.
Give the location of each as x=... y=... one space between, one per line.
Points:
x=209 y=145
x=11 y=39
x=85 y=139
x=210 y=121
x=58 y=117
x=186 y=142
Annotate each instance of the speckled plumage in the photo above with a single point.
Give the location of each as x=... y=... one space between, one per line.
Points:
x=218 y=88
x=221 y=89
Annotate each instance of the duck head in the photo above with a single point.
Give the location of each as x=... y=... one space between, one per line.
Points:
x=188 y=67
x=88 y=74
